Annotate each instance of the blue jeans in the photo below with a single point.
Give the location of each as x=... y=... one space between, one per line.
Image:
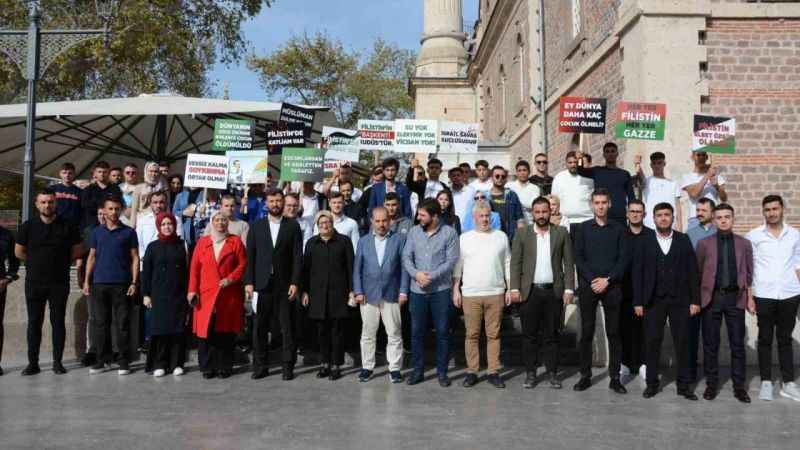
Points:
x=438 y=306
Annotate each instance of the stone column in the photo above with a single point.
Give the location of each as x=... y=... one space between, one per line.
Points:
x=442 y=53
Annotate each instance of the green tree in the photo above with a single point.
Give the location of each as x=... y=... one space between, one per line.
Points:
x=156 y=45
x=355 y=84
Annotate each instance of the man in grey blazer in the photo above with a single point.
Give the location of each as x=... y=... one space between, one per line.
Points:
x=380 y=286
x=542 y=277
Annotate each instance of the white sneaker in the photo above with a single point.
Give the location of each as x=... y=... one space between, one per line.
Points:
x=123 y=372
x=178 y=371
x=643 y=375
x=789 y=390
x=159 y=373
x=94 y=370
x=766 y=391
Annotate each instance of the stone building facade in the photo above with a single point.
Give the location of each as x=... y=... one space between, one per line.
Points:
x=738 y=58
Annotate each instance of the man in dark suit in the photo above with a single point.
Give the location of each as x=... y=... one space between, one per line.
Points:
x=544 y=287
x=666 y=284
x=274 y=263
x=726 y=265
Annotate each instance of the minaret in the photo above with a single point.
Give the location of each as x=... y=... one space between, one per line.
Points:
x=442 y=54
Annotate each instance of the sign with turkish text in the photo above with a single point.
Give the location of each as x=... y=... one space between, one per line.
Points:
x=582 y=115
x=282 y=135
x=233 y=134
x=247 y=167
x=302 y=164
x=644 y=121
x=341 y=144
x=416 y=136
x=206 y=171
x=455 y=137
x=295 y=114
x=376 y=135
x=714 y=134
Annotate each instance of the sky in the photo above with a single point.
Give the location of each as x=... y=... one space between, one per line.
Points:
x=357 y=23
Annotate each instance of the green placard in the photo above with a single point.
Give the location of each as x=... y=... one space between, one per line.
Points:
x=232 y=134
x=302 y=164
x=643 y=121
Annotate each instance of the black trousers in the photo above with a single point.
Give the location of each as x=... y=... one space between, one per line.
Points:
x=541 y=313
x=215 y=352
x=36 y=298
x=693 y=343
x=655 y=317
x=723 y=307
x=113 y=298
x=273 y=303
x=331 y=341
x=2 y=316
x=587 y=305
x=167 y=351
x=776 y=317
x=632 y=335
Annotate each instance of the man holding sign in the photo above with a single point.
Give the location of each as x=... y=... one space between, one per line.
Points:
x=703 y=182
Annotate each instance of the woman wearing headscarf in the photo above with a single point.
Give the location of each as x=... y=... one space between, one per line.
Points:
x=449 y=217
x=217 y=294
x=164 y=280
x=175 y=183
x=153 y=182
x=328 y=285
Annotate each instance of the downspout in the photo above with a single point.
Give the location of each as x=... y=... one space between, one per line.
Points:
x=542 y=81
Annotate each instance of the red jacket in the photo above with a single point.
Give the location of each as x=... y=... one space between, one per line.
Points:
x=707 y=263
x=204 y=277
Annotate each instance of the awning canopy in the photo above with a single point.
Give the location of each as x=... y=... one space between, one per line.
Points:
x=163 y=127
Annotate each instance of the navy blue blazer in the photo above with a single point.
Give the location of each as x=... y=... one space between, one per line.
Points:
x=378 y=193
x=380 y=282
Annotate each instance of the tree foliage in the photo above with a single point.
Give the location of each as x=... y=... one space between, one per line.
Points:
x=319 y=70
x=156 y=45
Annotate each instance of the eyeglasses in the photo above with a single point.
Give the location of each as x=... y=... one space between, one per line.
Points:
x=541 y=162
x=479 y=197
x=500 y=177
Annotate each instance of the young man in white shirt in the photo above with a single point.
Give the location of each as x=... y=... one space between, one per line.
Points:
x=659 y=189
x=462 y=193
x=483 y=266
x=703 y=182
x=483 y=182
x=341 y=223
x=526 y=191
x=775 y=294
x=574 y=192
x=311 y=202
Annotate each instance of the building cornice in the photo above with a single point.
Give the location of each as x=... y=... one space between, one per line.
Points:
x=501 y=16
x=437 y=82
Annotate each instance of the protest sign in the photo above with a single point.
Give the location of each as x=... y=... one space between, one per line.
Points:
x=341 y=144
x=376 y=135
x=295 y=114
x=247 y=167
x=645 y=121
x=285 y=135
x=714 y=134
x=232 y=134
x=302 y=164
x=582 y=115
x=206 y=171
x=415 y=136
x=458 y=137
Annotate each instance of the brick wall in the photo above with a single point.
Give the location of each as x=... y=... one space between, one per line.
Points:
x=754 y=74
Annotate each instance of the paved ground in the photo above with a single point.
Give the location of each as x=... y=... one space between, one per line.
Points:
x=102 y=411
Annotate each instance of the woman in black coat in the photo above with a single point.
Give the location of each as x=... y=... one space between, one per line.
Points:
x=328 y=285
x=164 y=284
x=449 y=217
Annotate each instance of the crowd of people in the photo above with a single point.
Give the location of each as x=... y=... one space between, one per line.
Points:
x=298 y=261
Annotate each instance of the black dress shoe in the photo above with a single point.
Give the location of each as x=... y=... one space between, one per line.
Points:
x=335 y=374
x=259 y=374
x=209 y=375
x=445 y=381
x=495 y=380
x=687 y=393
x=1 y=371
x=288 y=373
x=530 y=380
x=741 y=395
x=617 y=387
x=583 y=384
x=710 y=393
x=225 y=373
x=470 y=380
x=32 y=369
x=59 y=369
x=650 y=391
x=324 y=372
x=88 y=360
x=555 y=383
x=415 y=378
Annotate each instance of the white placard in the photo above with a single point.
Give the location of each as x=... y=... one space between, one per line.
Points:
x=456 y=137
x=206 y=171
x=342 y=144
x=415 y=136
x=376 y=135
x=247 y=167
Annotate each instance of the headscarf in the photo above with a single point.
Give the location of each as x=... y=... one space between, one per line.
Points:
x=172 y=238
x=152 y=181
x=216 y=236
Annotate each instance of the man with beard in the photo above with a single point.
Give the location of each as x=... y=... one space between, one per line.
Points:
x=617 y=181
x=352 y=208
x=462 y=193
x=389 y=184
x=398 y=223
x=96 y=192
x=574 y=191
x=274 y=252
x=666 y=284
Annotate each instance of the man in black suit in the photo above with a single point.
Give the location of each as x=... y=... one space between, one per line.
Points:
x=666 y=284
x=274 y=253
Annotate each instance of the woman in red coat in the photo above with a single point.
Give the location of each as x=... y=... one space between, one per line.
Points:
x=215 y=291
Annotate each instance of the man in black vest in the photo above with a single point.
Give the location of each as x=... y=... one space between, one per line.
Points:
x=274 y=252
x=666 y=284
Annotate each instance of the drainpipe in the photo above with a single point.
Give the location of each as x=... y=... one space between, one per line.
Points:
x=542 y=81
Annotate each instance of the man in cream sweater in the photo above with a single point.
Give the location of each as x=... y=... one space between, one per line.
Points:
x=483 y=267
